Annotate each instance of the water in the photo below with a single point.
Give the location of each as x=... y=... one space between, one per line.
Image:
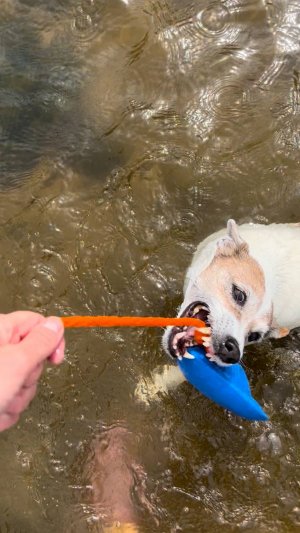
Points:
x=129 y=131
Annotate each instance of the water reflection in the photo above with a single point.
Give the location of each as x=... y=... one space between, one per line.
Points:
x=129 y=131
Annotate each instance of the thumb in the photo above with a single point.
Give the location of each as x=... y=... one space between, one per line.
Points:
x=42 y=341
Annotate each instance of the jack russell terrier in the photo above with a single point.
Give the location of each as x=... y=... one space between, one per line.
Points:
x=244 y=283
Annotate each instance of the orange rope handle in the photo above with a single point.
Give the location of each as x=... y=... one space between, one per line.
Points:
x=128 y=321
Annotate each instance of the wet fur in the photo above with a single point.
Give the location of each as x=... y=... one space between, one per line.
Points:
x=264 y=260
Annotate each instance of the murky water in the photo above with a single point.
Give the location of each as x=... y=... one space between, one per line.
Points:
x=129 y=131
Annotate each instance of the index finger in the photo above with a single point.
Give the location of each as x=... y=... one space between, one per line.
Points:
x=15 y=326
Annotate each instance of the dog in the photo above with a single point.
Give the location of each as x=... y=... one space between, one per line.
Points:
x=244 y=283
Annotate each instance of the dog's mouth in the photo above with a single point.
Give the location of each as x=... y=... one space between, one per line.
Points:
x=181 y=338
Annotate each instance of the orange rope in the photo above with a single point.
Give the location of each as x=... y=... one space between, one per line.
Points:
x=128 y=321
x=198 y=336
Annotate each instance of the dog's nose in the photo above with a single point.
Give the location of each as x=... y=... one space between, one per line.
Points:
x=229 y=351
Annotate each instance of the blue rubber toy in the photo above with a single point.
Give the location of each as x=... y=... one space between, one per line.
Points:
x=226 y=386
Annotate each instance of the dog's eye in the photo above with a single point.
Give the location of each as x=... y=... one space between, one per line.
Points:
x=254 y=336
x=238 y=295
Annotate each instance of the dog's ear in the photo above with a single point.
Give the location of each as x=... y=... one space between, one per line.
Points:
x=232 y=243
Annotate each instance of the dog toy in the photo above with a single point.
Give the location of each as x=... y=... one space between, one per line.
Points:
x=226 y=386
x=129 y=321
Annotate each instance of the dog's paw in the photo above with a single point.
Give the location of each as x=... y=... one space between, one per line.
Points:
x=161 y=381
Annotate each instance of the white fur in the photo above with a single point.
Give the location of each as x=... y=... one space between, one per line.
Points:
x=276 y=248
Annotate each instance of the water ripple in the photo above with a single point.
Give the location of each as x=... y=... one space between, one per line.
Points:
x=86 y=23
x=285 y=24
x=157 y=121
x=214 y=19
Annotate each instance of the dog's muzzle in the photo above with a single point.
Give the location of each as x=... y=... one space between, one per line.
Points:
x=181 y=338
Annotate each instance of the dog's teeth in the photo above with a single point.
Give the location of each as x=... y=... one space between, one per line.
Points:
x=198 y=309
x=206 y=344
x=206 y=338
x=179 y=335
x=205 y=330
x=188 y=355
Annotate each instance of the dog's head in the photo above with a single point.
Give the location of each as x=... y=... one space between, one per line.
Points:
x=226 y=288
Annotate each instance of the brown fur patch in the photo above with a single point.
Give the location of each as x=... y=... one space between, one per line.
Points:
x=239 y=269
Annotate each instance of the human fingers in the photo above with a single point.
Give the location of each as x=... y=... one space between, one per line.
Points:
x=14 y=326
x=34 y=375
x=57 y=357
x=21 y=400
x=40 y=343
x=7 y=420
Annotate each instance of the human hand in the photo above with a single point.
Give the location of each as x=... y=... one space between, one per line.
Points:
x=26 y=340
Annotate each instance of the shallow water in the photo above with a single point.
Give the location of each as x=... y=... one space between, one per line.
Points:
x=129 y=131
